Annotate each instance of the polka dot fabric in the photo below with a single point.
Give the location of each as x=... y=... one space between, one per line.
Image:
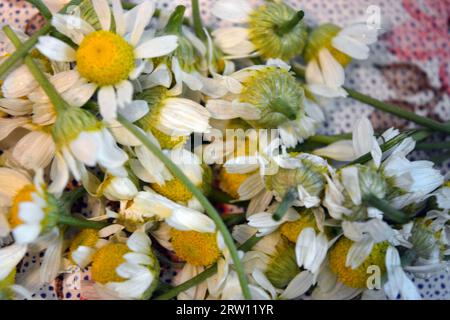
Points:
x=408 y=66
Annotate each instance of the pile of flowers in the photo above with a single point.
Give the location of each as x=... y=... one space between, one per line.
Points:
x=155 y=121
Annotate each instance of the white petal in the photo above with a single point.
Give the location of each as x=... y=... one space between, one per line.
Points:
x=135 y=110
x=55 y=49
x=8 y=125
x=79 y=94
x=333 y=72
x=107 y=103
x=157 y=47
x=232 y=10
x=85 y=148
x=10 y=257
x=145 y=12
x=103 y=12
x=119 y=17
x=351 y=47
x=139 y=242
x=124 y=93
x=350 y=180
x=221 y=109
x=341 y=150
x=35 y=150
x=298 y=286
x=19 y=83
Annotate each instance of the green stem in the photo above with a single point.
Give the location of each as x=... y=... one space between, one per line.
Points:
x=29 y=44
x=386 y=107
x=197 y=20
x=70 y=220
x=175 y=22
x=390 y=212
x=329 y=139
x=289 y=25
x=173 y=168
x=49 y=89
x=285 y=204
x=432 y=146
x=42 y=8
x=417 y=135
x=399 y=112
x=209 y=272
x=280 y=106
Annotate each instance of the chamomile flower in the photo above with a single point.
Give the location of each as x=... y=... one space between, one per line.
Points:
x=339 y=280
x=199 y=250
x=273 y=30
x=309 y=236
x=29 y=205
x=399 y=181
x=126 y=270
x=272 y=268
x=329 y=50
x=108 y=59
x=303 y=175
x=270 y=98
x=199 y=174
x=171 y=119
x=82 y=140
x=117 y=188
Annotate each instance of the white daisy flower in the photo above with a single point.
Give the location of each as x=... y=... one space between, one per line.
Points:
x=126 y=270
x=82 y=140
x=108 y=59
x=117 y=188
x=329 y=50
x=274 y=30
x=31 y=109
x=199 y=250
x=270 y=97
x=272 y=268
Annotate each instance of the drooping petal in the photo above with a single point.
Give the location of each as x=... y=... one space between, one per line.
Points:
x=157 y=47
x=55 y=49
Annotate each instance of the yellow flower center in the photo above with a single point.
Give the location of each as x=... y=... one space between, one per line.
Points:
x=105 y=262
x=87 y=238
x=230 y=182
x=355 y=278
x=23 y=195
x=196 y=248
x=105 y=58
x=292 y=229
x=173 y=189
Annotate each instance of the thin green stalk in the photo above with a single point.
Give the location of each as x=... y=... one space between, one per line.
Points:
x=417 y=135
x=29 y=44
x=285 y=204
x=73 y=221
x=390 y=212
x=197 y=20
x=207 y=273
x=289 y=25
x=399 y=112
x=329 y=139
x=386 y=107
x=433 y=146
x=42 y=8
x=173 y=168
x=49 y=89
